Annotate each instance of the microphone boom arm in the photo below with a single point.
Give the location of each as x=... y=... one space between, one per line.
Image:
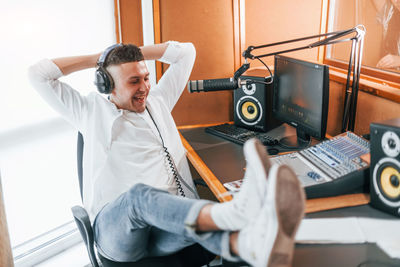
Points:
x=350 y=102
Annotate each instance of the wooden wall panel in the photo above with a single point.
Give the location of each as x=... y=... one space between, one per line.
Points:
x=269 y=21
x=130 y=16
x=370 y=108
x=208 y=24
x=335 y=114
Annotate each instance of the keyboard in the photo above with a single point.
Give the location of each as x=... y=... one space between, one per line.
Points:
x=239 y=135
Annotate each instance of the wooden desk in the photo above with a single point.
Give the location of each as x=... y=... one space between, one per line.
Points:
x=229 y=172
x=219 y=161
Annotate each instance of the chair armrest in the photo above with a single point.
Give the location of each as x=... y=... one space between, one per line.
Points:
x=85 y=228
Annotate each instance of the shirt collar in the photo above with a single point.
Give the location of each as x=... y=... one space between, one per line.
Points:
x=117 y=113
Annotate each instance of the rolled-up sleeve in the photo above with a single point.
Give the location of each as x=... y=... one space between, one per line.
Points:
x=66 y=101
x=181 y=57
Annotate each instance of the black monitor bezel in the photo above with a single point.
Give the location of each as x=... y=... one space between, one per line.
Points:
x=299 y=125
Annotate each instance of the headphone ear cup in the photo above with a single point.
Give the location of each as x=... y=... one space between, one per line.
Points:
x=103 y=81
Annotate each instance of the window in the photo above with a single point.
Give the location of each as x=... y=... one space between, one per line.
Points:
x=381 y=57
x=37 y=147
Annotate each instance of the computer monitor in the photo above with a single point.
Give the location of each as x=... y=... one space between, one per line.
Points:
x=301 y=99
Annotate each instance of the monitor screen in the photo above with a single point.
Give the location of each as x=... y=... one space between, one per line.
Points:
x=301 y=98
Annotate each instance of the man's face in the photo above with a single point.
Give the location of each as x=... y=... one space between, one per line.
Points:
x=132 y=85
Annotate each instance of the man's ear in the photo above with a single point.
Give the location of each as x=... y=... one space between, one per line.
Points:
x=113 y=92
x=111 y=97
x=112 y=72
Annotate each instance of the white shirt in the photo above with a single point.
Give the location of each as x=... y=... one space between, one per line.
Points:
x=123 y=148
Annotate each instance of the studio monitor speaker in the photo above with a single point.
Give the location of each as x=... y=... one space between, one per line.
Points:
x=252 y=105
x=385 y=166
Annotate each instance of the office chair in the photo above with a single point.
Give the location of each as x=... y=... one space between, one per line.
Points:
x=194 y=255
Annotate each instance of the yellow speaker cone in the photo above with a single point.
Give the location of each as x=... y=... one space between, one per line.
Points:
x=249 y=111
x=390 y=178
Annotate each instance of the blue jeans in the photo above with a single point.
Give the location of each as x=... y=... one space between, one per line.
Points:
x=146 y=222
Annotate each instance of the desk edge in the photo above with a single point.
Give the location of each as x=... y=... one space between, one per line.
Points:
x=206 y=174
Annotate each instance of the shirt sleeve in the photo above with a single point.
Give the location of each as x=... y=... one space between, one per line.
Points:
x=181 y=58
x=66 y=101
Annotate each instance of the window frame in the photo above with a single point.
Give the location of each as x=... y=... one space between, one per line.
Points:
x=376 y=81
x=389 y=76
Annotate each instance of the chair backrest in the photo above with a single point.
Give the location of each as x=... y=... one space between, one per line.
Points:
x=79 y=158
x=80 y=214
x=82 y=221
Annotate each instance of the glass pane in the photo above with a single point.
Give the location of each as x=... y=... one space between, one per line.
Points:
x=382 y=40
x=37 y=147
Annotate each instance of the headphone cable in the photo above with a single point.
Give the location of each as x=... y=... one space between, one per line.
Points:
x=178 y=179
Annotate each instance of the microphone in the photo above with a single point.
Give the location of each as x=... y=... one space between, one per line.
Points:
x=213 y=85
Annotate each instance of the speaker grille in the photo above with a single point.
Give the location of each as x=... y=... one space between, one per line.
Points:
x=385 y=166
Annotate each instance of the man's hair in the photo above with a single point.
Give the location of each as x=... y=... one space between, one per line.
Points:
x=123 y=54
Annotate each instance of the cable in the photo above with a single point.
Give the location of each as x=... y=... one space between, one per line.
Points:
x=170 y=161
x=270 y=73
x=174 y=170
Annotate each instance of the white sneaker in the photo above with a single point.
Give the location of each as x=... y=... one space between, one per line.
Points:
x=246 y=204
x=269 y=239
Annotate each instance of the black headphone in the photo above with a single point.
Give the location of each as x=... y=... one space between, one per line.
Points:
x=103 y=79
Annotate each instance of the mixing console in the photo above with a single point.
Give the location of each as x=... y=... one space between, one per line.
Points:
x=333 y=167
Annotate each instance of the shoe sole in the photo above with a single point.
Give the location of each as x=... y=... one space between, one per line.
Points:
x=263 y=156
x=289 y=205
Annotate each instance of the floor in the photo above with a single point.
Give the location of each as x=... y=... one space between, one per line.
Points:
x=73 y=257
x=77 y=257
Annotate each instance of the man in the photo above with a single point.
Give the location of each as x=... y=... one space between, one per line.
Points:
x=133 y=155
